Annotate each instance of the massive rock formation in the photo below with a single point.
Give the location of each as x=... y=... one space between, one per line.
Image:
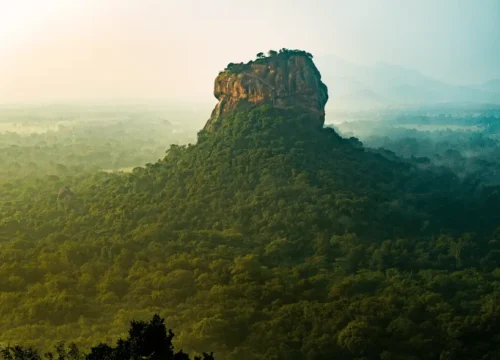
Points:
x=285 y=79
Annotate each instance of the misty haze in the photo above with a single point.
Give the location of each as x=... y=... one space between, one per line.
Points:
x=243 y=181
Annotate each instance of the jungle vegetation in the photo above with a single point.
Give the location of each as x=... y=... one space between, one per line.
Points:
x=264 y=240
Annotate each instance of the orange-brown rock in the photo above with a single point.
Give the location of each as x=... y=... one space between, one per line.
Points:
x=287 y=79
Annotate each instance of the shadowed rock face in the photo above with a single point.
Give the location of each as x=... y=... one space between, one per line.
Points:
x=283 y=80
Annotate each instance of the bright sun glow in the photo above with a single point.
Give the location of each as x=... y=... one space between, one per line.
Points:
x=22 y=18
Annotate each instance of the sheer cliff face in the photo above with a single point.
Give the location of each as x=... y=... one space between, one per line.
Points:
x=282 y=80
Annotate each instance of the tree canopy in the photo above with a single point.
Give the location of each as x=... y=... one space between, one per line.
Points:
x=266 y=240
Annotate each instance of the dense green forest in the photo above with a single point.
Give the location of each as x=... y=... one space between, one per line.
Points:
x=265 y=240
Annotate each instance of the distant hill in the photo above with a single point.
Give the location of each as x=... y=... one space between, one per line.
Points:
x=361 y=87
x=492 y=87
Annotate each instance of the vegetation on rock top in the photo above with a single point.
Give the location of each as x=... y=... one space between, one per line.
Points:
x=235 y=68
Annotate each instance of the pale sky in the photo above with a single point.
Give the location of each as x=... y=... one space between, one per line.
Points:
x=61 y=50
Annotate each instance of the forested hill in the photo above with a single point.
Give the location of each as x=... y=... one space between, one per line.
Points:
x=268 y=239
x=272 y=159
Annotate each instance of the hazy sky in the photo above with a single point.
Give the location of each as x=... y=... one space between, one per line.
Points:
x=91 y=49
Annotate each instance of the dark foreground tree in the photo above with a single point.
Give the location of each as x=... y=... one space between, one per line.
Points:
x=146 y=341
